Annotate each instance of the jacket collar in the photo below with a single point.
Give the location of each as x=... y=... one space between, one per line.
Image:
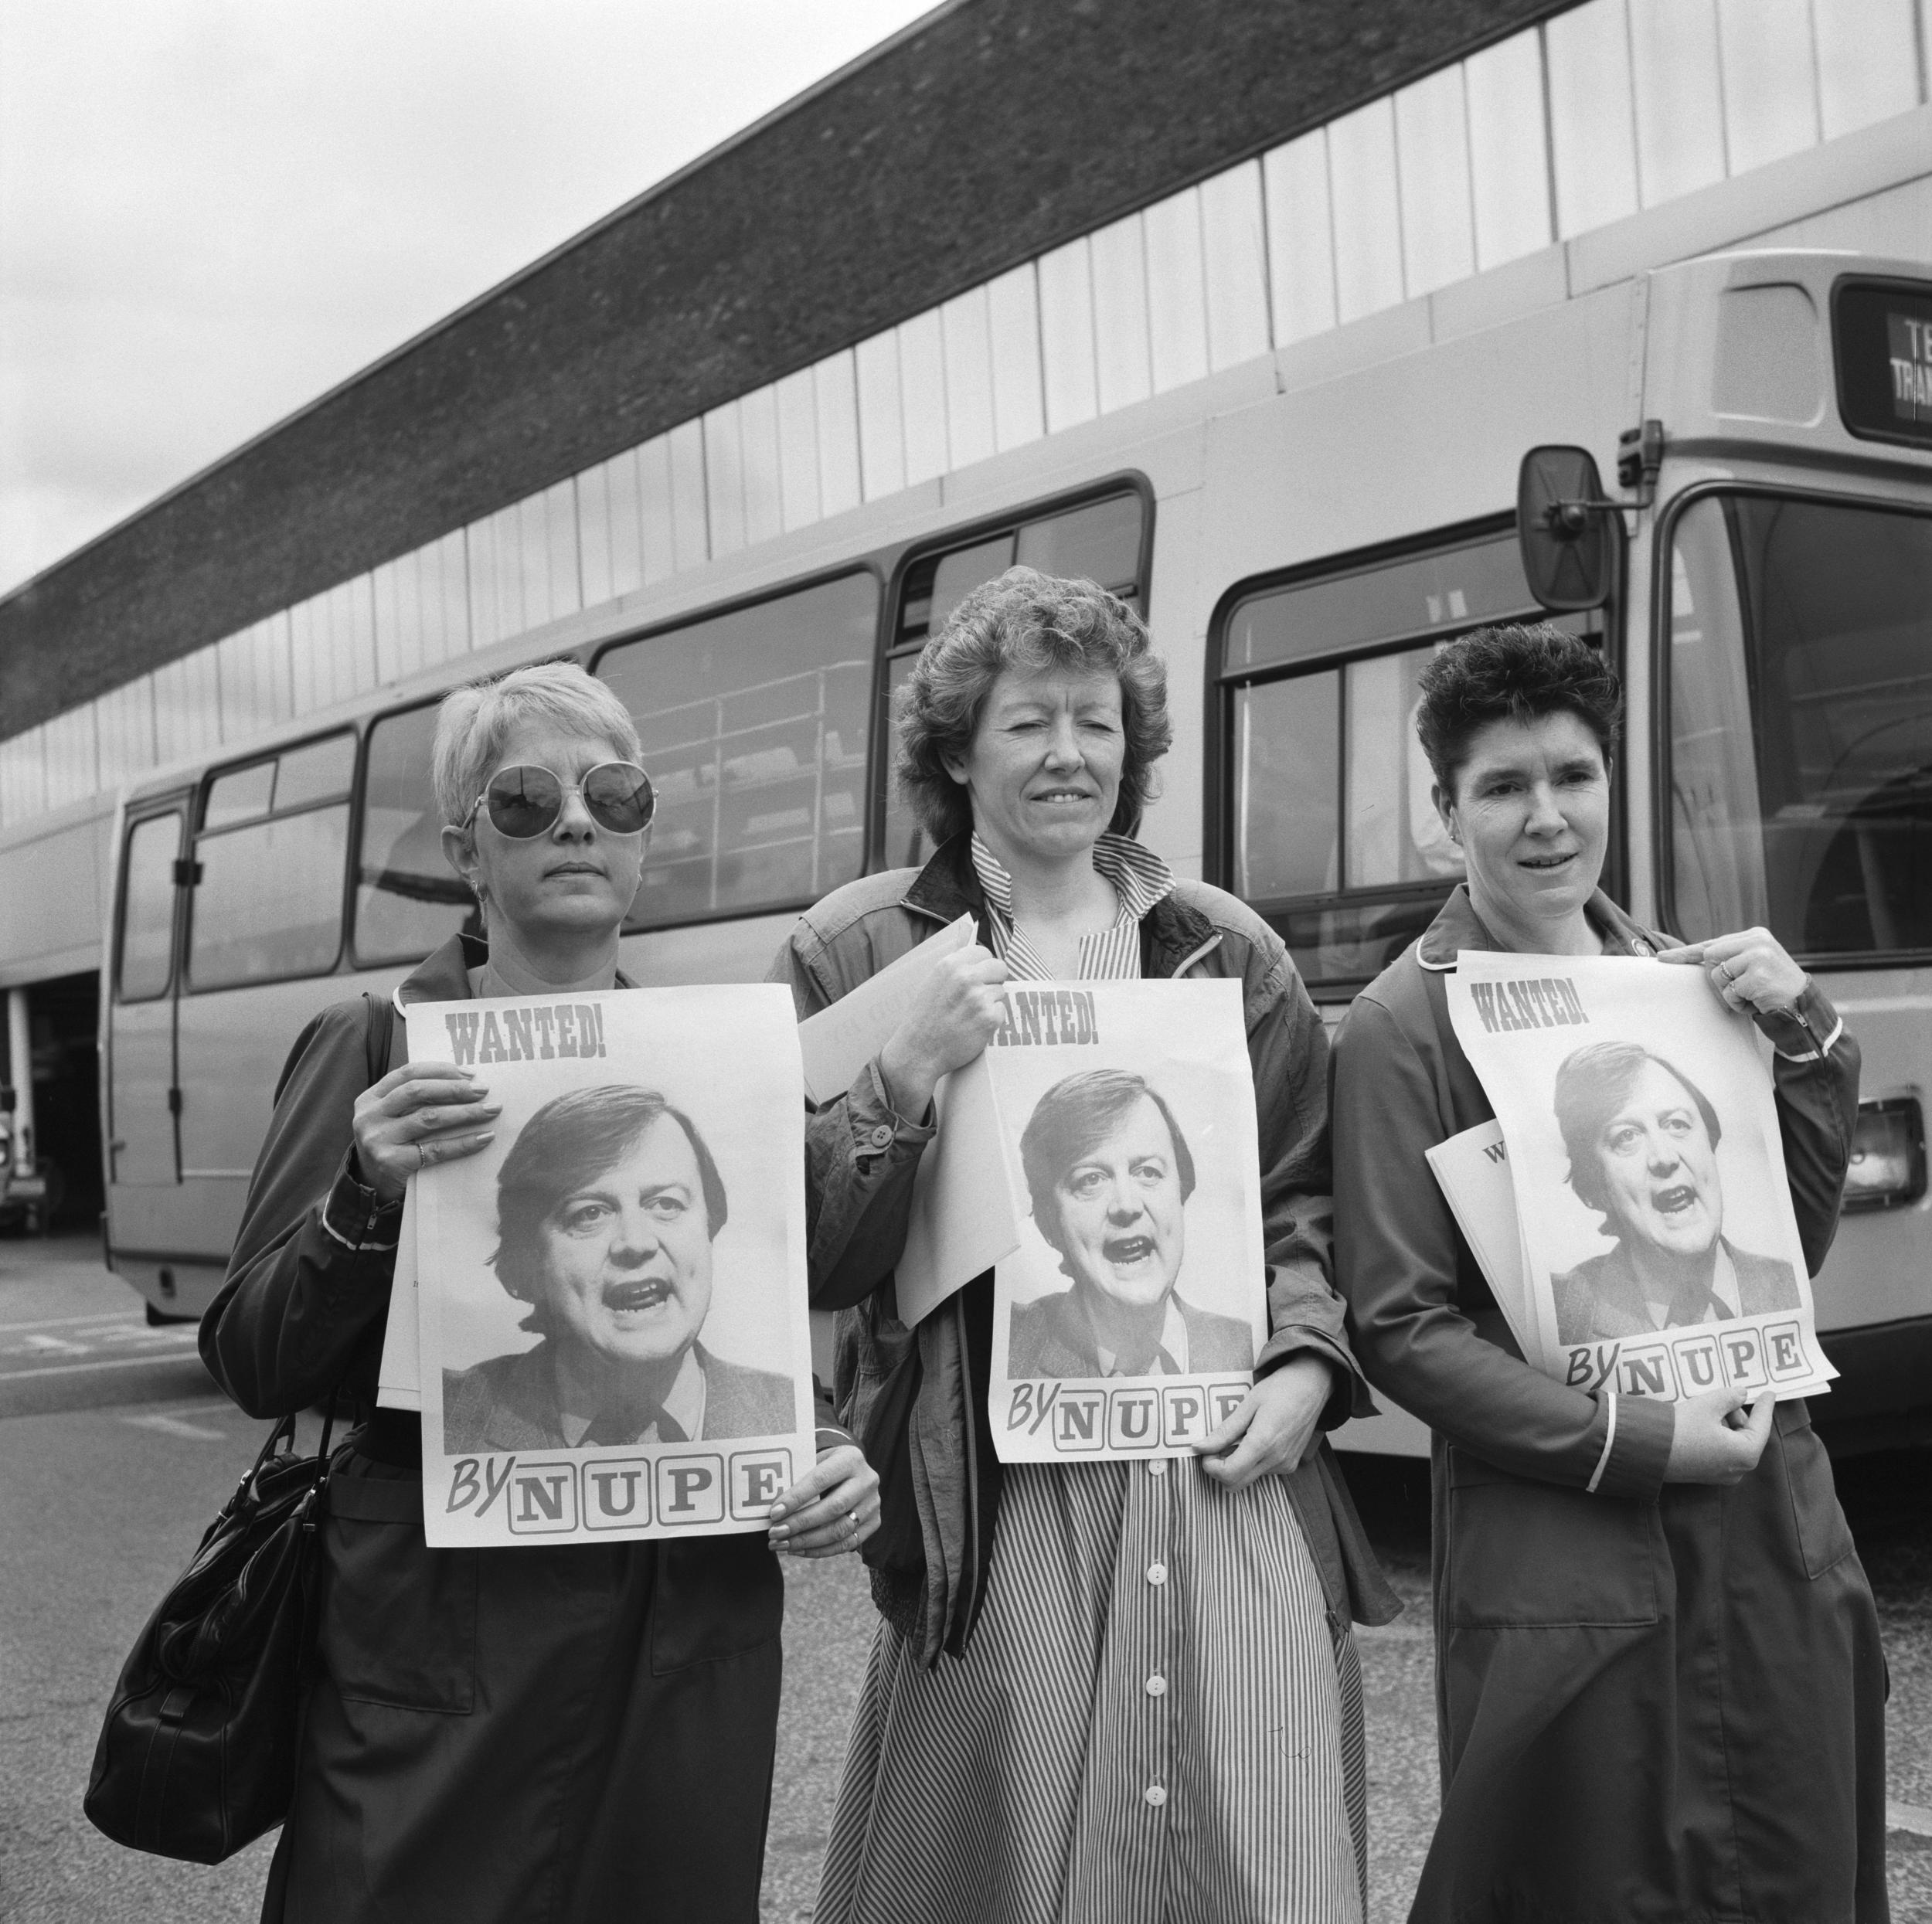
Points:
x=1171 y=933
x=444 y=975
x=1458 y=926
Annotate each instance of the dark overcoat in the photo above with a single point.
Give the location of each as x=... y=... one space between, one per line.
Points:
x=1657 y=1703
x=570 y=1734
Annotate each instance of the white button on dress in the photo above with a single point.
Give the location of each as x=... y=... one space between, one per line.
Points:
x=1156 y=1795
x=1157 y=1686
x=1156 y=1573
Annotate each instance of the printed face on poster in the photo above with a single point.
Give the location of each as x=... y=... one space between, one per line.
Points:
x=1128 y=1321
x=1661 y=1253
x=611 y=1296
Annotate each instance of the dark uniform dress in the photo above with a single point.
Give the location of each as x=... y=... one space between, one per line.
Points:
x=1658 y=1702
x=565 y=1734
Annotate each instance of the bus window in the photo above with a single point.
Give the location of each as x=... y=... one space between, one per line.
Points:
x=1800 y=671
x=268 y=902
x=1102 y=541
x=753 y=730
x=1332 y=834
x=148 y=908
x=408 y=899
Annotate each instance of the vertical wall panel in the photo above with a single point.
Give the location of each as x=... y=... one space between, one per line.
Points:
x=622 y=509
x=507 y=552
x=1868 y=66
x=560 y=524
x=797 y=448
x=1235 y=249
x=1124 y=371
x=445 y=577
x=201 y=681
x=359 y=606
x=1176 y=291
x=593 y=534
x=479 y=553
x=656 y=520
x=881 y=416
x=966 y=339
x=1432 y=159
x=532 y=540
x=1368 y=217
x=691 y=540
x=1770 y=80
x=412 y=653
x=383 y=592
x=1301 y=237
x=724 y=479
x=1680 y=101
x=303 y=695
x=1012 y=313
x=73 y=772
x=922 y=396
x=125 y=720
x=1070 y=387
x=1509 y=153
x=172 y=742
x=1592 y=129
x=23 y=777
x=758 y=447
x=834 y=389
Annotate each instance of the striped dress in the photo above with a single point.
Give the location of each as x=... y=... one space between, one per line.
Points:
x=1156 y=1720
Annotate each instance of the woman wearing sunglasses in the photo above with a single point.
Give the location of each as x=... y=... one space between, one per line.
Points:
x=577 y=1732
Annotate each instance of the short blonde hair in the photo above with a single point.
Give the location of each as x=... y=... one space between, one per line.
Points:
x=475 y=721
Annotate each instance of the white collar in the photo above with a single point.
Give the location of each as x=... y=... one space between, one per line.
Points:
x=684 y=1403
x=1171 y=1356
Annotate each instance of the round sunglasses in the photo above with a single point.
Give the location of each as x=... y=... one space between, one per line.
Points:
x=526 y=801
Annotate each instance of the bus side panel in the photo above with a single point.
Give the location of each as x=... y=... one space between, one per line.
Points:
x=1880 y=1267
x=734 y=951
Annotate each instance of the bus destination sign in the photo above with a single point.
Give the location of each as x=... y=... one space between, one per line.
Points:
x=1882 y=339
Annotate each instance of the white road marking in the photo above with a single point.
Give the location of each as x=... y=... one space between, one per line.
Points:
x=65 y=1322
x=174 y=1426
x=56 y=1346
x=75 y=1369
x=1908 y=1816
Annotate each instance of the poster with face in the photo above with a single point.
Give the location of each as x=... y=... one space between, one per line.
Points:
x=1127 y=1322
x=1660 y=1252
x=611 y=1296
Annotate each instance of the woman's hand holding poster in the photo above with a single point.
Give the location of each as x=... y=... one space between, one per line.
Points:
x=1127 y=1322
x=612 y=1295
x=1661 y=1257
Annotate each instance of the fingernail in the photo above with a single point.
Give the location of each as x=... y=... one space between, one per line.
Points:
x=780 y=1534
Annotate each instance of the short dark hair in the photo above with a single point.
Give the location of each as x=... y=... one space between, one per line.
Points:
x=1514 y=671
x=572 y=1140
x=1030 y=622
x=1077 y=1114
x=1590 y=1085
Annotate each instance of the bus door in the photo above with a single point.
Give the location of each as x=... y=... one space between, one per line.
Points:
x=264 y=934
x=143 y=1094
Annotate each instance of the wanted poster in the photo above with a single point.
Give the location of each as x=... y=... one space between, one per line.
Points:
x=1127 y=1321
x=612 y=1317
x=1660 y=1253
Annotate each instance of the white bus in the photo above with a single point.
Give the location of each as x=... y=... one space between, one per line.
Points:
x=1301 y=532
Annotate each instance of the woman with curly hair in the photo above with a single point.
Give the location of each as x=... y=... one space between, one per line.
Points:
x=1123 y=1691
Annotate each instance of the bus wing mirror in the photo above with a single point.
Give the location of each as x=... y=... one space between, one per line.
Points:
x=1569 y=531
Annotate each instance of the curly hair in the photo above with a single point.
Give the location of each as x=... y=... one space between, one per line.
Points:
x=1030 y=622
x=1512 y=672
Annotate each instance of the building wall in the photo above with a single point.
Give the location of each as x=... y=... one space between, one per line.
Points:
x=1558 y=131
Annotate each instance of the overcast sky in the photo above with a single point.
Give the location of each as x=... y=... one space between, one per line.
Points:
x=212 y=210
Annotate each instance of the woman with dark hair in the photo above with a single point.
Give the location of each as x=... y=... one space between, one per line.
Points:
x=1124 y=1691
x=1642 y=1139
x=607 y=1205
x=1108 y=1173
x=580 y=1732
x=1659 y=1689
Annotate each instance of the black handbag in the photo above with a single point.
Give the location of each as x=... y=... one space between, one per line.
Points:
x=197 y=1756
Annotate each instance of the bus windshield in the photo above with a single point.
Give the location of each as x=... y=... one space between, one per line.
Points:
x=1800 y=675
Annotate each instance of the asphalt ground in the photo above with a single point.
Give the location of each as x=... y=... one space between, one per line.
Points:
x=116 y=1448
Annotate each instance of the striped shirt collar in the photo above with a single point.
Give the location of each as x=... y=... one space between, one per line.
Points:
x=1140 y=880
